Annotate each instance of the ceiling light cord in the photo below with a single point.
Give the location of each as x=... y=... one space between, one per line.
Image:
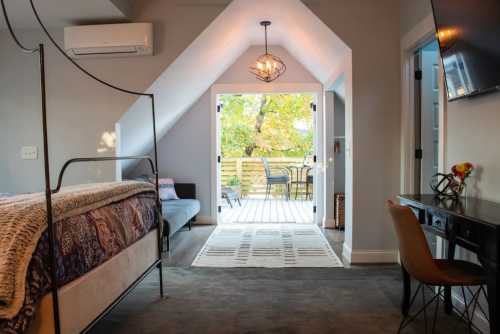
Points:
x=265 y=38
x=60 y=49
x=13 y=34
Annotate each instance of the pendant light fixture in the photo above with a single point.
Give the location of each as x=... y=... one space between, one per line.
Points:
x=268 y=67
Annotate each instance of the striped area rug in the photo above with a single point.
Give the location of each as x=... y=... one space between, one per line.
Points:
x=267 y=246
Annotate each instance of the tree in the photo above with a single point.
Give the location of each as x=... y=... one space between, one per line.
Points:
x=271 y=125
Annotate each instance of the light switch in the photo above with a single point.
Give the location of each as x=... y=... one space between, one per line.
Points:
x=29 y=152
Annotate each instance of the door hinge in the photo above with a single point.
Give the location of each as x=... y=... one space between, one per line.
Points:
x=219 y=209
x=315 y=159
x=219 y=107
x=313 y=106
x=314 y=209
x=218 y=159
x=418 y=75
x=419 y=154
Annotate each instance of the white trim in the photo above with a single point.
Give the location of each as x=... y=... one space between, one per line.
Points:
x=314 y=88
x=369 y=256
x=267 y=88
x=421 y=33
x=328 y=223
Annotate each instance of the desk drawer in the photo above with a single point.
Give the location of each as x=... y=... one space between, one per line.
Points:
x=438 y=221
x=466 y=231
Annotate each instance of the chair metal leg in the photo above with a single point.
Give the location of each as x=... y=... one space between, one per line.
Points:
x=469 y=320
x=436 y=309
x=425 y=310
x=268 y=191
x=408 y=319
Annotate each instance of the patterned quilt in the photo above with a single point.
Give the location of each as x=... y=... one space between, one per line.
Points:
x=83 y=242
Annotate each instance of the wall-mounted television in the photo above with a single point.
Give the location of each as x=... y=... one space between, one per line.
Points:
x=468 y=33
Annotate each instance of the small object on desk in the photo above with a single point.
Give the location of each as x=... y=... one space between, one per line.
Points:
x=452 y=185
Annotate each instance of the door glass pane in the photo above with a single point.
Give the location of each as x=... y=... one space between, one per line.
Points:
x=429 y=113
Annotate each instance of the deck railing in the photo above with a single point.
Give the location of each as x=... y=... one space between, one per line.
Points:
x=251 y=175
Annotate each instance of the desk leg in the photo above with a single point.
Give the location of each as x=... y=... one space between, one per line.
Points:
x=405 y=304
x=448 y=303
x=494 y=300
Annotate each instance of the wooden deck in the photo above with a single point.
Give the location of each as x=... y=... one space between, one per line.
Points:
x=270 y=211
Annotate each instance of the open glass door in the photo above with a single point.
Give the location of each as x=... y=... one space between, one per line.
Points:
x=426 y=60
x=266 y=155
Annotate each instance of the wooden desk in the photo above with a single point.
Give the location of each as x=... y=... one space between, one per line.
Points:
x=472 y=224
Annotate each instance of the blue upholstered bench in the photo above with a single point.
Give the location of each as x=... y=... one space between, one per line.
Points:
x=180 y=212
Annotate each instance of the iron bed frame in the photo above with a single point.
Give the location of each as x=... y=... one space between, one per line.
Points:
x=49 y=192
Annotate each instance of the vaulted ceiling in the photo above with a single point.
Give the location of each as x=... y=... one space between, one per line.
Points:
x=294 y=27
x=59 y=13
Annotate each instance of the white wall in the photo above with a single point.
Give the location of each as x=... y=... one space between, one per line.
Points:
x=185 y=150
x=79 y=109
x=238 y=73
x=412 y=12
x=372 y=31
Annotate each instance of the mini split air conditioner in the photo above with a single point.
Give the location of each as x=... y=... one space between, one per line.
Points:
x=109 y=40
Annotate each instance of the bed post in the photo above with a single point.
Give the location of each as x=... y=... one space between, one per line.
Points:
x=48 y=192
x=48 y=195
x=158 y=203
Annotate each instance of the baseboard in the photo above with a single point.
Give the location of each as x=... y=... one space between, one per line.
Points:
x=328 y=223
x=204 y=220
x=368 y=256
x=479 y=320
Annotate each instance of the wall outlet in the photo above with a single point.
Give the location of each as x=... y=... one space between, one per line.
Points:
x=29 y=152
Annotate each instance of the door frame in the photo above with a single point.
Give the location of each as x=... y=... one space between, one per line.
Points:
x=423 y=33
x=275 y=88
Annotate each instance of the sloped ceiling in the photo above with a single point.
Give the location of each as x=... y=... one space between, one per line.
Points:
x=59 y=13
x=294 y=27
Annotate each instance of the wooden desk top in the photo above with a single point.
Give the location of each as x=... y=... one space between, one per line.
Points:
x=472 y=209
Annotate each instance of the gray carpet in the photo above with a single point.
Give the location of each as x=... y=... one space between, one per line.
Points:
x=257 y=300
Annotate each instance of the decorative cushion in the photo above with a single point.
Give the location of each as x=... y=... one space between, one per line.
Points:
x=167 y=189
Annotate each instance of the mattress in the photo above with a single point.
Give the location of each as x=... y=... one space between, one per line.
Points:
x=85 y=298
x=83 y=243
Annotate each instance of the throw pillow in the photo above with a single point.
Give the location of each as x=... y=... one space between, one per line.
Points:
x=167 y=189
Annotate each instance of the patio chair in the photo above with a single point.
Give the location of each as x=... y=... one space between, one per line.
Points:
x=283 y=179
x=309 y=183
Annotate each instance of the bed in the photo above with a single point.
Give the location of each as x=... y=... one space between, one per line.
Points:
x=75 y=267
x=102 y=250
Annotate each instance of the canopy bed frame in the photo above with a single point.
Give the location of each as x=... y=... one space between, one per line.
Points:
x=49 y=192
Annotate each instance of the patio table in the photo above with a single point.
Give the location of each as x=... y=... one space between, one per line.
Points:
x=297 y=177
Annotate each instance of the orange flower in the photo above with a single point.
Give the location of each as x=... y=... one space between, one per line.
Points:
x=462 y=170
